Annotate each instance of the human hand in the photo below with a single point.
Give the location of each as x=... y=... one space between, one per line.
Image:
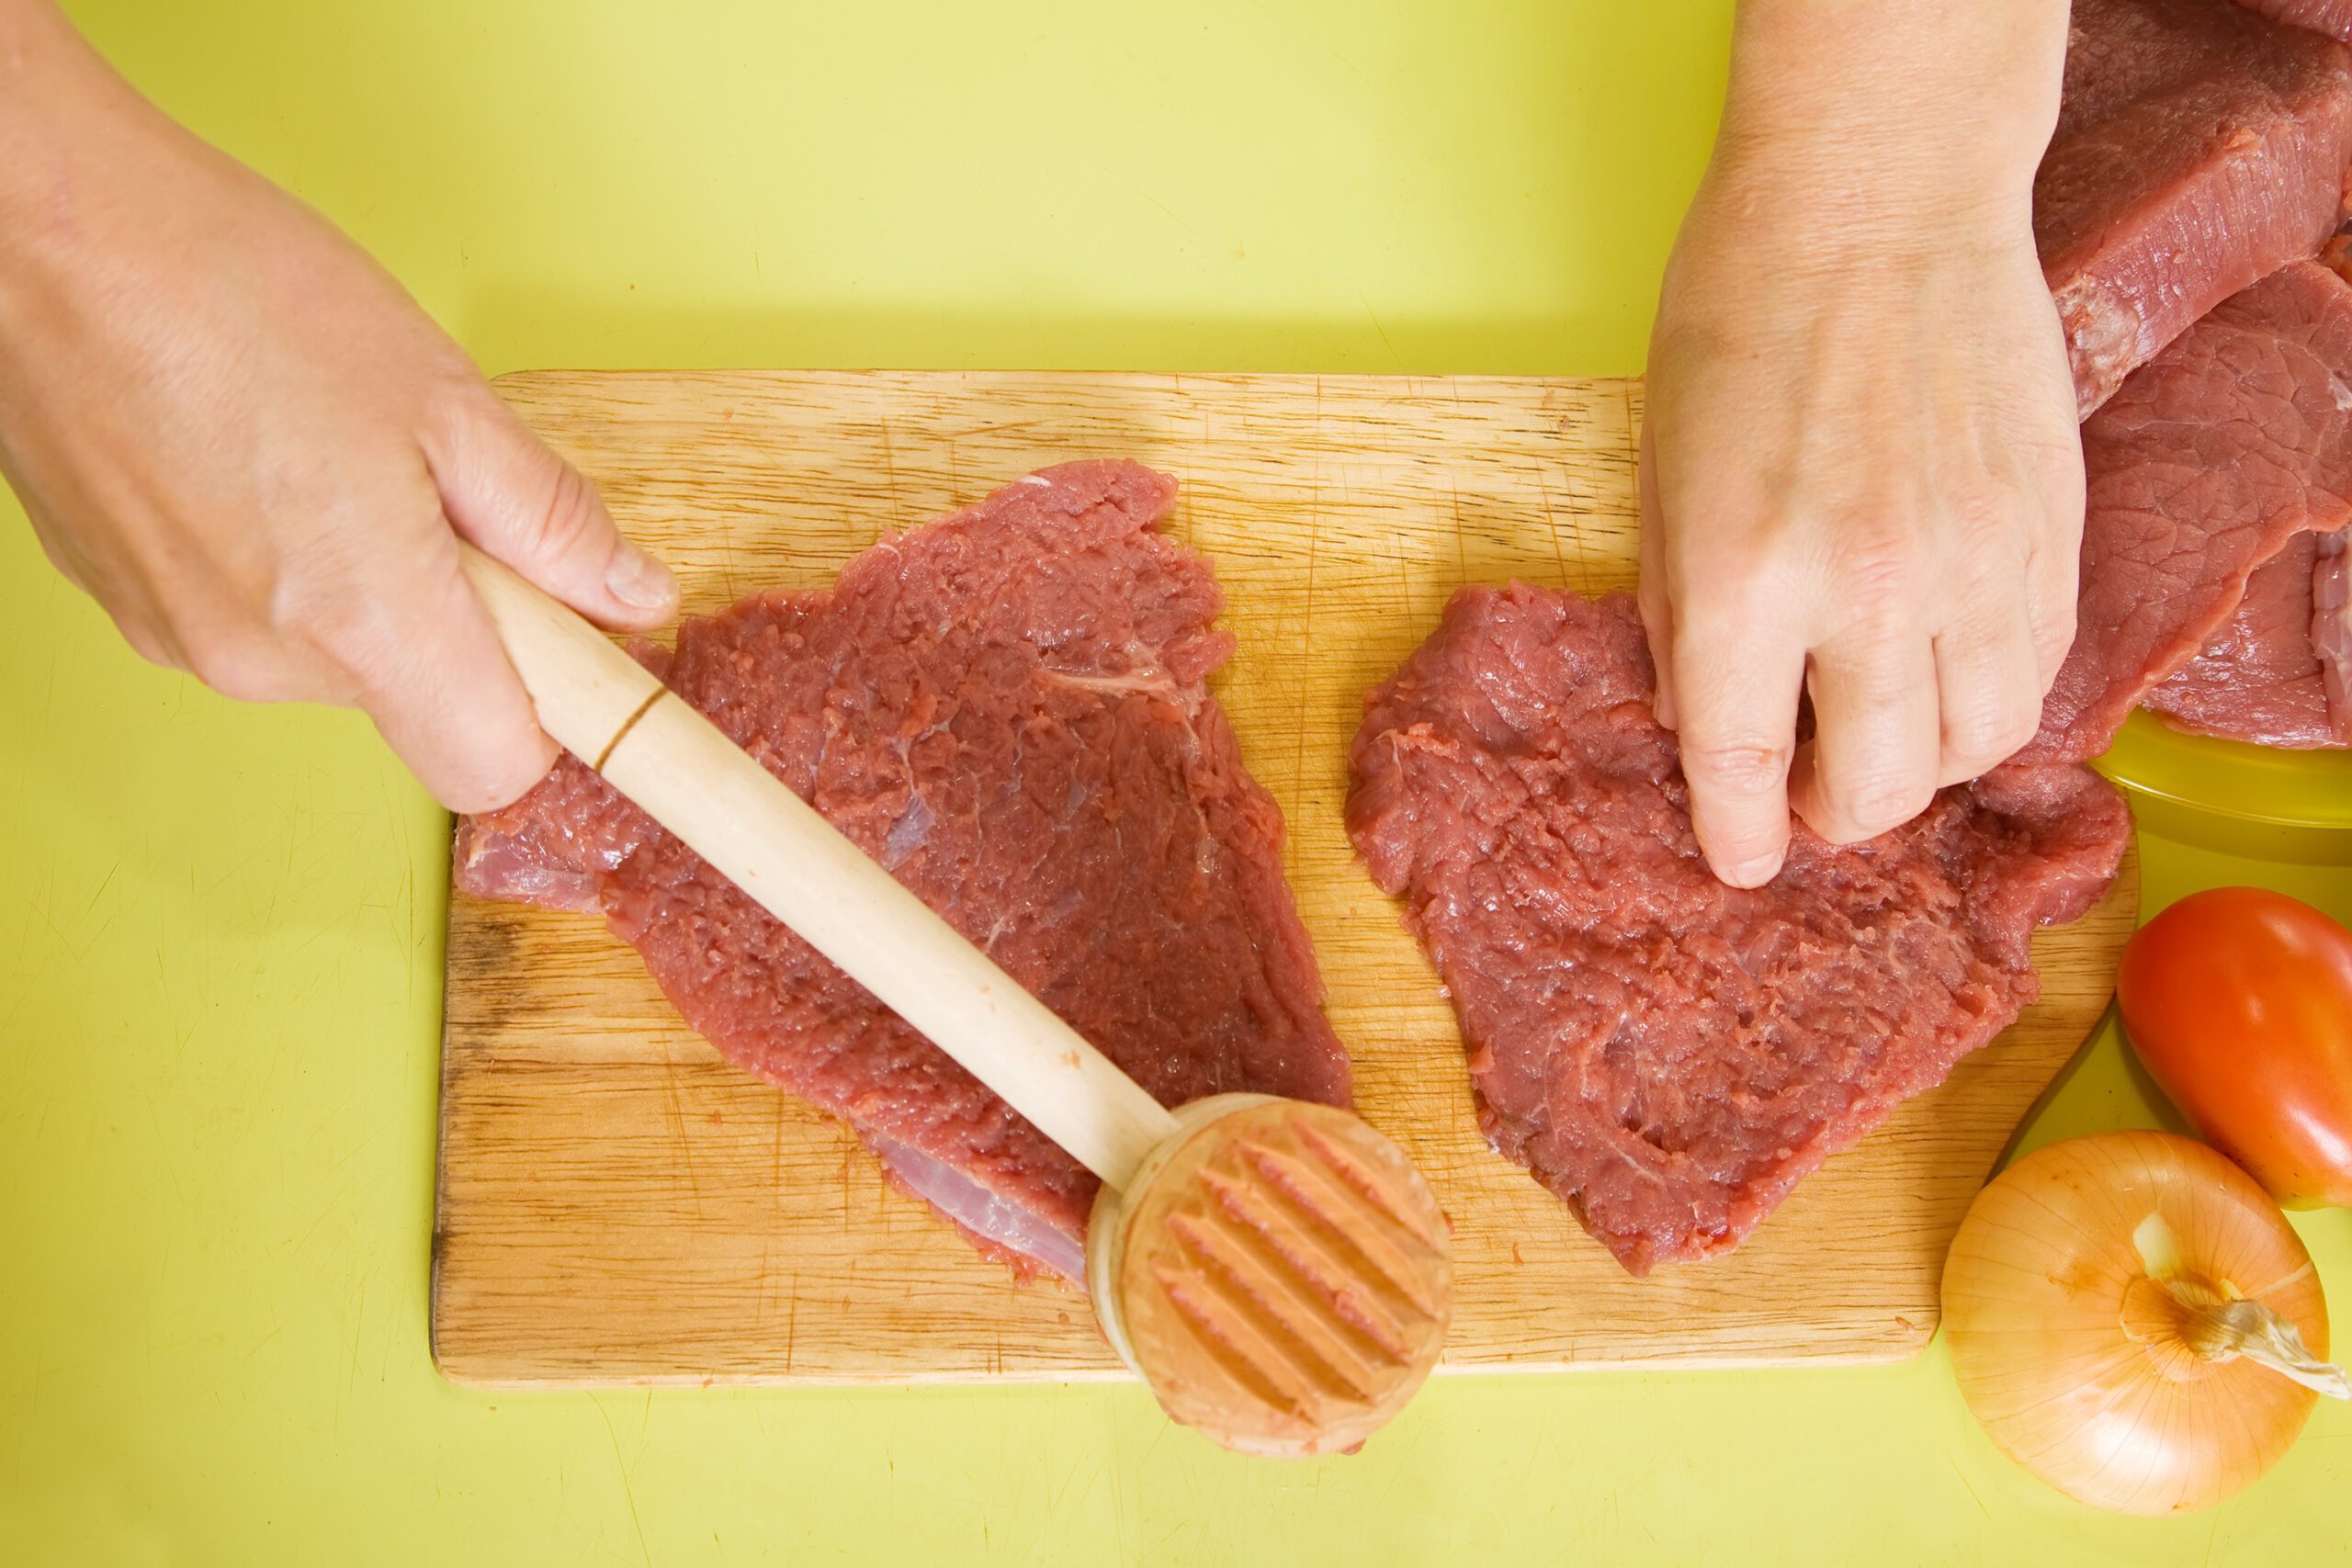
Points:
x=238 y=435
x=1861 y=476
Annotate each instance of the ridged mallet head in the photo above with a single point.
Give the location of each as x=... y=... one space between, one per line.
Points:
x=1277 y=1272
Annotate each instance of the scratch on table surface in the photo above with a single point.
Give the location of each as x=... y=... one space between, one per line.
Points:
x=628 y=1488
x=1968 y=1486
x=164 y=1148
x=1395 y=357
x=357 y=1337
x=104 y=883
x=316 y=1219
x=1173 y=216
x=18 y=1430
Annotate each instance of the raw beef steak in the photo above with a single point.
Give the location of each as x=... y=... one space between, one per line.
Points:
x=2332 y=17
x=1006 y=708
x=2208 y=462
x=2197 y=148
x=1668 y=1054
x=2261 y=680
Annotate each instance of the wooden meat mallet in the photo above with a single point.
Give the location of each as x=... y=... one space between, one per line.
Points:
x=1275 y=1270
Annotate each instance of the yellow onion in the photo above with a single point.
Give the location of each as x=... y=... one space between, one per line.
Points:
x=2134 y=1321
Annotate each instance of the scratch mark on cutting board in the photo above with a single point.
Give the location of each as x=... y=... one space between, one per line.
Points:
x=1307 y=640
x=1582 y=581
x=791 y=1319
x=1461 y=542
x=890 y=472
x=680 y=1138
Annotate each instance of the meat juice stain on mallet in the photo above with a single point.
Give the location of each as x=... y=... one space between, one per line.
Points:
x=1276 y=1271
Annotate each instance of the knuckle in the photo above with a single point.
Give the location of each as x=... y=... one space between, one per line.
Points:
x=329 y=612
x=1717 y=610
x=500 y=778
x=1979 y=740
x=309 y=603
x=565 y=517
x=1990 y=511
x=1739 y=562
x=1872 y=805
x=243 y=668
x=1883 y=578
x=1739 y=764
x=2055 y=631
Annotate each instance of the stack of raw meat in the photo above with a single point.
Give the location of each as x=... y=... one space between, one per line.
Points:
x=2332 y=17
x=2198 y=170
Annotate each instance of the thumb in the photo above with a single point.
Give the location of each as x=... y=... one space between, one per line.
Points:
x=504 y=490
x=1651 y=597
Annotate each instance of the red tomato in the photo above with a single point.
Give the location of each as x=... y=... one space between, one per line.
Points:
x=2239 y=1001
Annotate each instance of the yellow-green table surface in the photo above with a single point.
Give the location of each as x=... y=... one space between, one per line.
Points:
x=221 y=927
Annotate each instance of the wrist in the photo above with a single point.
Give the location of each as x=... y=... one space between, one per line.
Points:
x=1892 y=106
x=65 y=118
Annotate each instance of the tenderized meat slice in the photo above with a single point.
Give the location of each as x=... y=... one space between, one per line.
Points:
x=2260 y=681
x=2332 y=17
x=2206 y=464
x=1006 y=708
x=1668 y=1054
x=2197 y=148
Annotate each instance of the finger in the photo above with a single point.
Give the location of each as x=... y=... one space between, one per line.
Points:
x=1988 y=688
x=1877 y=739
x=504 y=490
x=1736 y=680
x=2054 y=566
x=2053 y=579
x=430 y=671
x=1657 y=603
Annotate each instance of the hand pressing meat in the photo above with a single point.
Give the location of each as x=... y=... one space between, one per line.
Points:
x=242 y=438
x=1860 y=476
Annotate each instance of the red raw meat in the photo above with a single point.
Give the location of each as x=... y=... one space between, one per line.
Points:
x=2261 y=680
x=1668 y=1054
x=2332 y=17
x=1006 y=708
x=2199 y=148
x=2206 y=464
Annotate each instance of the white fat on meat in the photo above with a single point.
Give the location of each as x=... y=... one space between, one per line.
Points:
x=981 y=1212
x=2331 y=628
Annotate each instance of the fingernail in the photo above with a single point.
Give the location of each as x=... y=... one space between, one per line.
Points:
x=639 y=581
x=1756 y=872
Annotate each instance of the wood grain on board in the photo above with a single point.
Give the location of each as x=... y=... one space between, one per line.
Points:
x=618 y=1205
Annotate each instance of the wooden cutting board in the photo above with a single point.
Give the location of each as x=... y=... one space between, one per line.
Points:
x=618 y=1205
